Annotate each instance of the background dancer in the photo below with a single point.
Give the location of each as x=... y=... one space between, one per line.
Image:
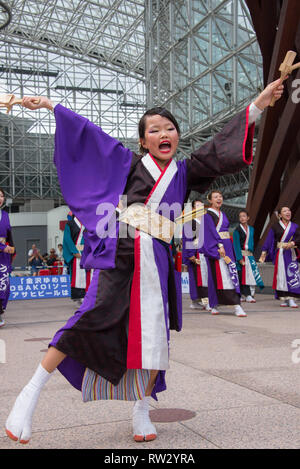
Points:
x=73 y=245
x=243 y=242
x=279 y=248
x=223 y=281
x=193 y=258
x=6 y=254
x=116 y=346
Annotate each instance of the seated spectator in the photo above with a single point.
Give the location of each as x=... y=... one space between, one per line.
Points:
x=52 y=257
x=60 y=256
x=45 y=257
x=35 y=261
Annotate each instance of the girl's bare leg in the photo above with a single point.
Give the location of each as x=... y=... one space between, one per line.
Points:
x=52 y=359
x=19 y=422
x=153 y=375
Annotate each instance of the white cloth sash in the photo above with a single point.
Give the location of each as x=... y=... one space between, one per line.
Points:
x=154 y=347
x=80 y=274
x=249 y=277
x=225 y=274
x=281 y=280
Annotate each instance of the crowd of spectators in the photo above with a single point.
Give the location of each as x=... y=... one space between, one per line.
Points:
x=37 y=261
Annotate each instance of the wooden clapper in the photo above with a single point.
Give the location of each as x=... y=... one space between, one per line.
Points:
x=286 y=68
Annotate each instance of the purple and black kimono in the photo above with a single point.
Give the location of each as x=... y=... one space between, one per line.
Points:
x=197 y=271
x=122 y=329
x=286 y=280
x=5 y=259
x=223 y=281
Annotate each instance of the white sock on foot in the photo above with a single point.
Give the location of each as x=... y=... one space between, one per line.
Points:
x=18 y=424
x=292 y=303
x=142 y=425
x=238 y=311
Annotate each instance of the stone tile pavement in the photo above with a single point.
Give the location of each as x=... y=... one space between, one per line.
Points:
x=238 y=378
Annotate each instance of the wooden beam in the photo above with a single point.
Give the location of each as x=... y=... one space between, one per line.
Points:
x=285 y=40
x=274 y=165
x=289 y=198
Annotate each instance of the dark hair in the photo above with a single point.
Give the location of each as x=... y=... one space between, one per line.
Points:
x=243 y=210
x=213 y=191
x=160 y=111
x=281 y=207
x=194 y=202
x=3 y=192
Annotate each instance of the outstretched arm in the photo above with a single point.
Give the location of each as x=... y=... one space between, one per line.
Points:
x=37 y=102
x=231 y=149
x=92 y=169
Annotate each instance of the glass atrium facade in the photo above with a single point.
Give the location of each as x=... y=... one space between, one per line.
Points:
x=109 y=60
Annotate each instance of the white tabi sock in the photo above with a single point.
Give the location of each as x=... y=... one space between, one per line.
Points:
x=18 y=424
x=238 y=311
x=292 y=303
x=143 y=428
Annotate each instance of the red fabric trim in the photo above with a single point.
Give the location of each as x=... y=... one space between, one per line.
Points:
x=246 y=237
x=74 y=272
x=219 y=276
x=134 y=348
x=178 y=262
x=158 y=180
x=244 y=259
x=161 y=170
x=87 y=279
x=199 y=275
x=248 y=140
x=244 y=273
x=274 y=286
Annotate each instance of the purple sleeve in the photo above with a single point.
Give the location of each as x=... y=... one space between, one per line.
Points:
x=187 y=241
x=211 y=238
x=296 y=237
x=228 y=152
x=269 y=246
x=92 y=169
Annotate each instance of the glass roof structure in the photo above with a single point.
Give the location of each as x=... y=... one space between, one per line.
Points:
x=204 y=64
x=108 y=60
x=106 y=33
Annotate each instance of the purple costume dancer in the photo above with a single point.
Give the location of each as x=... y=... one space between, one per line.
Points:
x=83 y=153
x=193 y=258
x=286 y=280
x=5 y=261
x=122 y=328
x=223 y=281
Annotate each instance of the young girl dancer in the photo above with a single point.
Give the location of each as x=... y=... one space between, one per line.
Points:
x=279 y=246
x=116 y=345
x=243 y=242
x=223 y=281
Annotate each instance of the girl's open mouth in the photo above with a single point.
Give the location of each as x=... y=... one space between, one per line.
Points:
x=165 y=146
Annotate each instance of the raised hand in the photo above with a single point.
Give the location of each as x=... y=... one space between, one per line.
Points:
x=37 y=102
x=262 y=257
x=9 y=249
x=272 y=90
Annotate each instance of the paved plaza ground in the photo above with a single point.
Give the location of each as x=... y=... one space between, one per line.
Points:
x=233 y=382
